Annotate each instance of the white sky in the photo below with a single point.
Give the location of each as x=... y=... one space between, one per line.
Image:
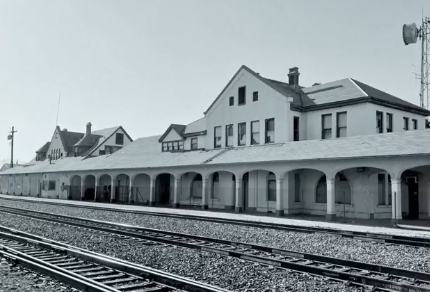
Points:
x=146 y=64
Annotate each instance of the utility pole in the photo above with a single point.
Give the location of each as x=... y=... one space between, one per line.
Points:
x=10 y=137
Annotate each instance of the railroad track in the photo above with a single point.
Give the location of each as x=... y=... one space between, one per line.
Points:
x=370 y=275
x=89 y=271
x=377 y=237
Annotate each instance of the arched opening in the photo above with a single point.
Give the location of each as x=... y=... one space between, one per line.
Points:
x=163 y=190
x=415 y=202
x=342 y=190
x=141 y=189
x=75 y=188
x=104 y=191
x=90 y=185
x=196 y=190
x=122 y=188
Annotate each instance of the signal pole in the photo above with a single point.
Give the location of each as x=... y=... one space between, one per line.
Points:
x=10 y=137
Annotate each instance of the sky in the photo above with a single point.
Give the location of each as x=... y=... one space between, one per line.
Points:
x=147 y=64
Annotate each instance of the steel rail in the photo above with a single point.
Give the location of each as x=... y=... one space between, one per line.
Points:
x=379 y=237
x=357 y=272
x=93 y=271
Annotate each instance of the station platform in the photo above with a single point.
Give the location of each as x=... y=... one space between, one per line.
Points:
x=412 y=228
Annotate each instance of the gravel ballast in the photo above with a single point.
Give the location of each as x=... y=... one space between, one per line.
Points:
x=399 y=256
x=229 y=273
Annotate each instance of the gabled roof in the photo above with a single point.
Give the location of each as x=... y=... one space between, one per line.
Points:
x=195 y=128
x=44 y=148
x=88 y=141
x=104 y=135
x=178 y=129
x=69 y=139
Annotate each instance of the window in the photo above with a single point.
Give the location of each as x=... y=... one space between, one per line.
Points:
x=405 y=123
x=231 y=101
x=217 y=137
x=389 y=123
x=255 y=96
x=194 y=143
x=119 y=139
x=255 y=132
x=296 y=128
x=241 y=137
x=102 y=152
x=242 y=95
x=414 y=124
x=341 y=125
x=271 y=187
x=51 y=186
x=379 y=122
x=229 y=136
x=166 y=146
x=381 y=189
x=297 y=197
x=270 y=131
x=326 y=126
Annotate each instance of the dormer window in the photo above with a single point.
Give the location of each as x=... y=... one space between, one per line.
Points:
x=194 y=143
x=172 y=146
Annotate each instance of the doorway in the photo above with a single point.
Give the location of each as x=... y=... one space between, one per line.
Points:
x=163 y=189
x=414 y=207
x=245 y=188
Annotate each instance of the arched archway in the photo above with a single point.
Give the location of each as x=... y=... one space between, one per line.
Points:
x=141 y=189
x=414 y=194
x=89 y=189
x=104 y=188
x=342 y=190
x=122 y=188
x=163 y=189
x=75 y=188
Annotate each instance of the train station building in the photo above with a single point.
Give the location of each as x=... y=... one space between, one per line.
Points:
x=341 y=148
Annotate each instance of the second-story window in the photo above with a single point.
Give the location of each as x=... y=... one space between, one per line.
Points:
x=296 y=129
x=255 y=132
x=241 y=134
x=341 y=125
x=326 y=126
x=405 y=123
x=255 y=96
x=389 y=123
x=194 y=143
x=414 y=124
x=231 y=100
x=242 y=95
x=379 y=122
x=119 y=139
x=229 y=136
x=270 y=131
x=217 y=137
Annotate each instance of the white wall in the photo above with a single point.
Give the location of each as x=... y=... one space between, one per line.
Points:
x=56 y=144
x=172 y=136
x=201 y=142
x=111 y=141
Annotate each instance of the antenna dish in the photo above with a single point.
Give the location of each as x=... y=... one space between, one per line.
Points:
x=410 y=33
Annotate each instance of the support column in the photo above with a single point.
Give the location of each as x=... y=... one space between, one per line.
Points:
x=82 y=189
x=331 y=196
x=239 y=202
x=279 y=198
x=204 y=193
x=96 y=187
x=112 y=190
x=152 y=192
x=176 y=193
x=130 y=191
x=396 y=200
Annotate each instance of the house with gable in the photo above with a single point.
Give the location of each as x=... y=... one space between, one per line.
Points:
x=341 y=148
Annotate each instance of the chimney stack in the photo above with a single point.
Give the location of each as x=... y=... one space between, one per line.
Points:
x=88 y=129
x=293 y=76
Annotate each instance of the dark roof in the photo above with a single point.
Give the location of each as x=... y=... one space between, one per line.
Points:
x=178 y=128
x=88 y=140
x=69 y=139
x=385 y=97
x=44 y=148
x=300 y=99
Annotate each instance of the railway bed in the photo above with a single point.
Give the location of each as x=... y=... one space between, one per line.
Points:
x=356 y=272
x=377 y=237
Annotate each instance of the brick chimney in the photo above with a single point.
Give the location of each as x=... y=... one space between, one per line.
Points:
x=88 y=129
x=293 y=76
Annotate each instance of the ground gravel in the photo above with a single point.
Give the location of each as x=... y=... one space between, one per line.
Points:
x=229 y=273
x=404 y=257
x=19 y=279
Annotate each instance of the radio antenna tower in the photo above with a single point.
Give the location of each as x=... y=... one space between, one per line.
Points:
x=410 y=35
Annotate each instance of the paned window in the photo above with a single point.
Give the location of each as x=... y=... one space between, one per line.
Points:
x=217 y=137
x=169 y=146
x=270 y=131
x=194 y=143
x=255 y=132
x=229 y=136
x=379 y=122
x=241 y=134
x=255 y=96
x=51 y=186
x=341 y=125
x=389 y=123
x=326 y=126
x=231 y=101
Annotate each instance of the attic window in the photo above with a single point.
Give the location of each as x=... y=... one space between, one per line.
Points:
x=173 y=146
x=231 y=101
x=255 y=96
x=119 y=139
x=242 y=95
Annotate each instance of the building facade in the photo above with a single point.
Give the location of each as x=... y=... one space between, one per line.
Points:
x=341 y=148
